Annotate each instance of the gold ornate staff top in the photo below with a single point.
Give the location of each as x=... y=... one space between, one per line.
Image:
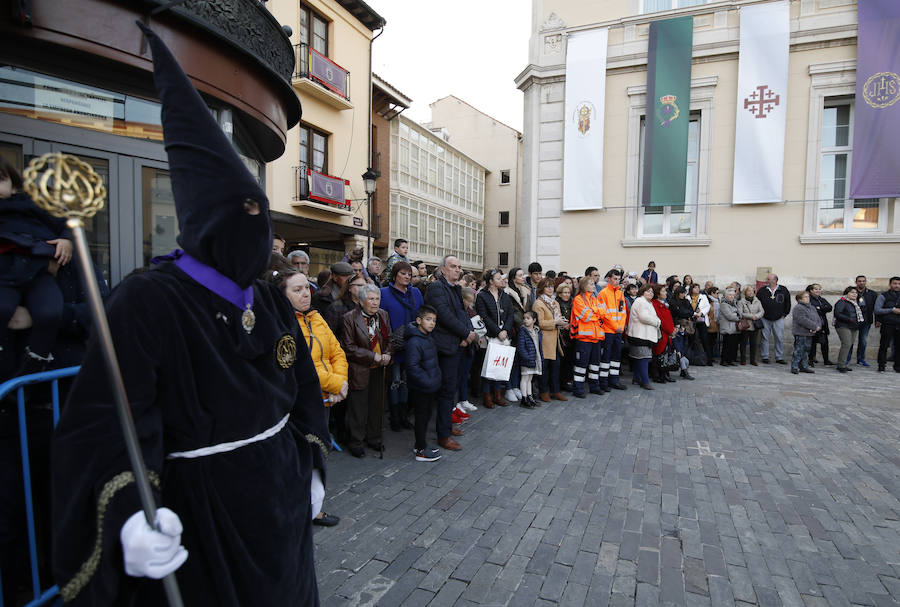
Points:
x=65 y=186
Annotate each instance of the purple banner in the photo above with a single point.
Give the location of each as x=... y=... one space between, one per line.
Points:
x=326 y=188
x=876 y=128
x=328 y=73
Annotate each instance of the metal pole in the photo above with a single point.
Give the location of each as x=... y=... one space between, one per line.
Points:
x=126 y=421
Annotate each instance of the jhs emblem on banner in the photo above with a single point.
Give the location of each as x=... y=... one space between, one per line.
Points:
x=668 y=111
x=761 y=101
x=882 y=90
x=584 y=111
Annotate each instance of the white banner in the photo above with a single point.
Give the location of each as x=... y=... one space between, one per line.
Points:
x=761 y=103
x=585 y=102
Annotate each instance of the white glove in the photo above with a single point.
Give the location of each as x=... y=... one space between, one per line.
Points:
x=316 y=493
x=150 y=552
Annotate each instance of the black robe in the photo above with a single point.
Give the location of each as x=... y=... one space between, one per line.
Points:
x=193 y=381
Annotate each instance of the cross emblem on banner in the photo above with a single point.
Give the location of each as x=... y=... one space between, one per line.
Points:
x=761 y=101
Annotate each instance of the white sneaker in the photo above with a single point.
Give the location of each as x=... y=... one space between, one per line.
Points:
x=511 y=395
x=468 y=406
x=518 y=393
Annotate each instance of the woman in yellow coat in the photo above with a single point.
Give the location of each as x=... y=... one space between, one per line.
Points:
x=324 y=348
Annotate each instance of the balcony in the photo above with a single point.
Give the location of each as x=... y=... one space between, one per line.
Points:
x=318 y=76
x=316 y=190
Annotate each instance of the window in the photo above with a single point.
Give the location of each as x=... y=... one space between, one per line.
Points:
x=504 y=177
x=835 y=212
x=314 y=33
x=503 y=260
x=673 y=220
x=504 y=218
x=652 y=6
x=313 y=149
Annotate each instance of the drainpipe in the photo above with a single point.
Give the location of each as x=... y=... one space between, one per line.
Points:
x=370 y=199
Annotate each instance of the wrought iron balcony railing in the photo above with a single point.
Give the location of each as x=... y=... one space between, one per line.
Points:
x=318 y=187
x=318 y=68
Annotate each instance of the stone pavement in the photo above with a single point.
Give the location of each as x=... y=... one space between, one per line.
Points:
x=749 y=486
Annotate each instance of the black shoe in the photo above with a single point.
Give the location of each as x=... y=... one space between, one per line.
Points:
x=326 y=520
x=599 y=391
x=765 y=361
x=795 y=371
x=686 y=375
x=356 y=451
x=618 y=387
x=828 y=363
x=881 y=369
x=578 y=394
x=781 y=362
x=669 y=378
x=806 y=370
x=842 y=369
x=656 y=380
x=647 y=387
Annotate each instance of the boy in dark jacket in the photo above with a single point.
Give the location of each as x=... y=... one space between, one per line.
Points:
x=423 y=376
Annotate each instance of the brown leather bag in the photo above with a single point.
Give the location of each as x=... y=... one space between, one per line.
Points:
x=744 y=324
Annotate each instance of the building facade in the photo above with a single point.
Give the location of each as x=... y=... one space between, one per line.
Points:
x=75 y=78
x=437 y=197
x=815 y=234
x=499 y=148
x=316 y=188
x=387 y=104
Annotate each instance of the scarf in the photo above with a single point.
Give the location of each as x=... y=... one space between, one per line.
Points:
x=859 y=314
x=694 y=299
x=373 y=324
x=553 y=305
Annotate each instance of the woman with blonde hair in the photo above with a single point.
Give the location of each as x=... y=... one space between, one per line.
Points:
x=587 y=329
x=750 y=309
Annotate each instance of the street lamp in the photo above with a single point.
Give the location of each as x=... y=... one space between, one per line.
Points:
x=369 y=178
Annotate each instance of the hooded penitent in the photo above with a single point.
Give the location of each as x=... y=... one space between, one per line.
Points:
x=210 y=183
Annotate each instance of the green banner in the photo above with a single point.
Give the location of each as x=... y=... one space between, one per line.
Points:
x=668 y=111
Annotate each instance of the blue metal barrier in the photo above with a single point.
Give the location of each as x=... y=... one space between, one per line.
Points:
x=41 y=597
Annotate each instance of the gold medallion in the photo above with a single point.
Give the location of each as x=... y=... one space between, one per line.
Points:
x=286 y=352
x=248 y=319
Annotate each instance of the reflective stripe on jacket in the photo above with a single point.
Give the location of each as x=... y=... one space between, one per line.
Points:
x=587 y=319
x=612 y=304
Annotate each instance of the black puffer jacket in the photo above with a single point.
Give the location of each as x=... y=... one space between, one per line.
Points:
x=495 y=320
x=845 y=315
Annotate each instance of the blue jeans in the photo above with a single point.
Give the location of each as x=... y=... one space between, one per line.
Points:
x=446 y=396
x=465 y=368
x=800 y=356
x=641 y=366
x=862 y=340
x=397 y=391
x=610 y=359
x=774 y=330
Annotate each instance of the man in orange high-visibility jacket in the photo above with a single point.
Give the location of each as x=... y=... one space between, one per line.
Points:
x=612 y=305
x=587 y=331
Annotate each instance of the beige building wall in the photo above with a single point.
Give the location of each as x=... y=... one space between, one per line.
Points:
x=497 y=147
x=729 y=242
x=346 y=123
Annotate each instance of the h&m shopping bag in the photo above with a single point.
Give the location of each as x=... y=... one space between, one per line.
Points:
x=498 y=361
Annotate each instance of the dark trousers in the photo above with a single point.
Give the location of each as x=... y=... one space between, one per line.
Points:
x=749 y=337
x=567 y=364
x=44 y=301
x=365 y=410
x=549 y=380
x=729 y=347
x=703 y=336
x=587 y=363
x=465 y=368
x=641 y=370
x=422 y=403
x=890 y=334
x=610 y=359
x=446 y=397
x=820 y=338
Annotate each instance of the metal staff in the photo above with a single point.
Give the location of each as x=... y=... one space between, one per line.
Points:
x=65 y=186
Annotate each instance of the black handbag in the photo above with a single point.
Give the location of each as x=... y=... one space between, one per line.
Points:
x=669 y=359
x=758 y=323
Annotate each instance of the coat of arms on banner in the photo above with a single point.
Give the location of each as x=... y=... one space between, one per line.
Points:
x=584 y=111
x=882 y=90
x=667 y=112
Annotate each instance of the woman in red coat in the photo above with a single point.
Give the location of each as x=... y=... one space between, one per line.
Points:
x=667 y=328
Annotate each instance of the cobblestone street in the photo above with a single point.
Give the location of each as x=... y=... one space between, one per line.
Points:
x=749 y=486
